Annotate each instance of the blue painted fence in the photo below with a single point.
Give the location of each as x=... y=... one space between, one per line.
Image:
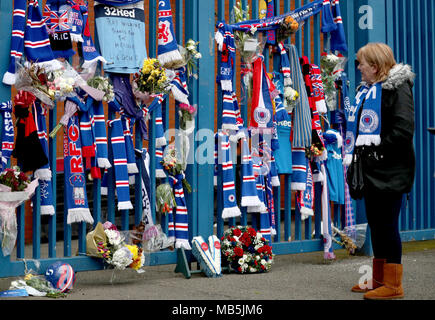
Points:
x=410 y=35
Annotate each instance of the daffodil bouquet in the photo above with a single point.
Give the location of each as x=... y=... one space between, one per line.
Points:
x=152 y=78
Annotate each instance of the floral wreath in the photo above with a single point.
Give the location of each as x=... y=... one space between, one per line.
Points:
x=245 y=250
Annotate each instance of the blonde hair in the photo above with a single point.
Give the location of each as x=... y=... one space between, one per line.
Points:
x=378 y=55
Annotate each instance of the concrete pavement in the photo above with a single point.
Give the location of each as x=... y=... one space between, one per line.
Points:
x=292 y=277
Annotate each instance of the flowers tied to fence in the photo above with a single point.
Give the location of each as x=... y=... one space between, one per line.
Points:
x=246 y=250
x=152 y=78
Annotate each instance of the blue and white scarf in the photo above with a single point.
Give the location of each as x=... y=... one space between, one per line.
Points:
x=75 y=182
x=36 y=41
x=249 y=187
x=338 y=37
x=17 y=39
x=117 y=143
x=181 y=224
x=224 y=38
x=167 y=48
x=369 y=132
x=231 y=208
x=44 y=173
x=7 y=134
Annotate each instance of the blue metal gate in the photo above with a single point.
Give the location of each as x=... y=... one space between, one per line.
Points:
x=410 y=35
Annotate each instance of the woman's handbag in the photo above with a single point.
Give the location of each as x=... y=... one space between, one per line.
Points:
x=354 y=176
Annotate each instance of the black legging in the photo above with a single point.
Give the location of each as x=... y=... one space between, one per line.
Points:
x=382 y=211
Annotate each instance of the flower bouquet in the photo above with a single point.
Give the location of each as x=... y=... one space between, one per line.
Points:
x=245 y=250
x=172 y=164
x=287 y=27
x=187 y=116
x=249 y=44
x=330 y=66
x=165 y=200
x=190 y=54
x=151 y=79
x=15 y=188
x=103 y=84
x=34 y=79
x=106 y=242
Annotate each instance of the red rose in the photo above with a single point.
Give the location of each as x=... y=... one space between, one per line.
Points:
x=238 y=251
x=252 y=232
x=237 y=232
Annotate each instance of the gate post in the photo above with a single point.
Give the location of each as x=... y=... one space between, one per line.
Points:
x=205 y=24
x=5 y=91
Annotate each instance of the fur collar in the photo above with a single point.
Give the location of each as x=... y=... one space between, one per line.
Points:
x=398 y=75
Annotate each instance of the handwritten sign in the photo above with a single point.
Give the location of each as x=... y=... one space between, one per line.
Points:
x=121 y=36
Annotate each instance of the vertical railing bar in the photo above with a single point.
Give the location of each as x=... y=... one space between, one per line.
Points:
x=66 y=226
x=219 y=193
x=111 y=205
x=52 y=143
x=36 y=224
x=298 y=222
x=287 y=207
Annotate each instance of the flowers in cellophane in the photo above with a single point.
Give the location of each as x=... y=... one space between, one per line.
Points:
x=330 y=64
x=103 y=84
x=165 y=200
x=287 y=27
x=14 y=179
x=152 y=78
x=116 y=252
x=174 y=165
x=190 y=54
x=187 y=115
x=246 y=250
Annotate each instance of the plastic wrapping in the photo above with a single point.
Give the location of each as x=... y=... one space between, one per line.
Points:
x=165 y=200
x=357 y=233
x=158 y=242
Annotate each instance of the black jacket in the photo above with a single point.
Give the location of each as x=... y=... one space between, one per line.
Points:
x=390 y=166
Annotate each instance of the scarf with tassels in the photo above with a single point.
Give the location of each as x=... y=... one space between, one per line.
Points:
x=181 y=220
x=230 y=207
x=43 y=174
x=7 y=134
x=76 y=200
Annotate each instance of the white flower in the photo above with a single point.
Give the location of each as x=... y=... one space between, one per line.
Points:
x=263 y=262
x=253 y=30
x=198 y=55
x=122 y=258
x=114 y=237
x=241 y=261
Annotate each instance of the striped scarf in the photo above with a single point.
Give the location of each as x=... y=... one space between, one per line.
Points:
x=36 y=41
x=75 y=181
x=305 y=198
x=230 y=208
x=7 y=134
x=167 y=48
x=299 y=169
x=326 y=218
x=17 y=40
x=338 y=37
x=249 y=188
x=120 y=164
x=224 y=38
x=43 y=174
x=181 y=222
x=301 y=113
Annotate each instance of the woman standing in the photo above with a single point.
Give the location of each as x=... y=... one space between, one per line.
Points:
x=384 y=138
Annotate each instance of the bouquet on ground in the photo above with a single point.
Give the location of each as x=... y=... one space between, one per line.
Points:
x=106 y=242
x=245 y=250
x=15 y=188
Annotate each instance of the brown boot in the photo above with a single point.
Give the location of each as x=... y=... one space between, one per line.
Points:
x=392 y=288
x=376 y=281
